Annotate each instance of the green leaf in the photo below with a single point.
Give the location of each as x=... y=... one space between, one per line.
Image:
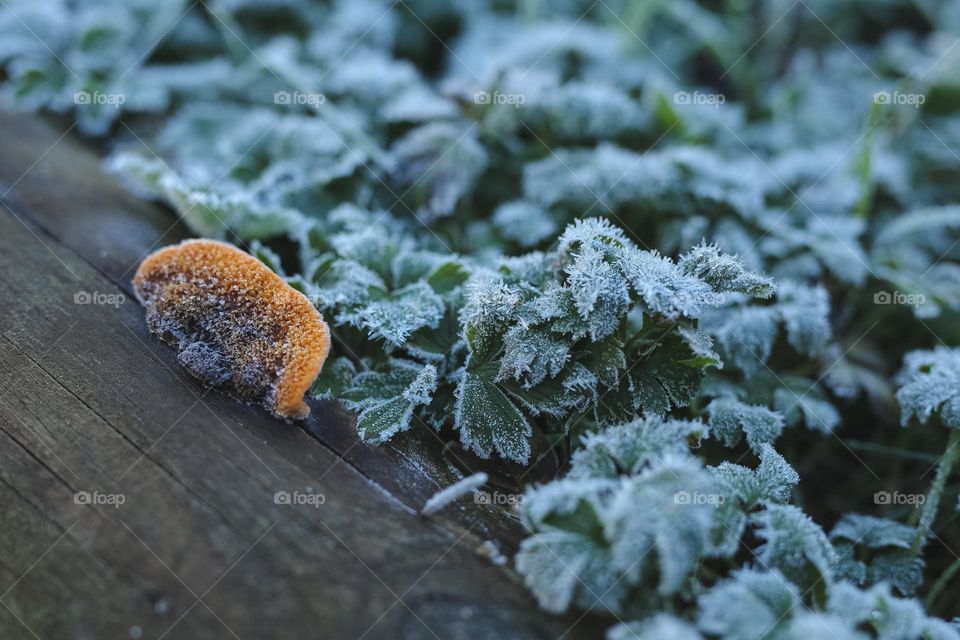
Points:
x=668 y=376
x=770 y=483
x=336 y=377
x=730 y=419
x=448 y=276
x=750 y=605
x=797 y=547
x=386 y=399
x=930 y=383
x=487 y=420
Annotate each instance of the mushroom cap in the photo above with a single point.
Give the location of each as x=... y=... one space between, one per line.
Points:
x=235 y=323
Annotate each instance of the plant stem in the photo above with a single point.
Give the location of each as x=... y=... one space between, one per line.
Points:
x=940 y=584
x=929 y=511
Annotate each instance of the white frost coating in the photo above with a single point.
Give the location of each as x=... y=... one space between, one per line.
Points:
x=457 y=490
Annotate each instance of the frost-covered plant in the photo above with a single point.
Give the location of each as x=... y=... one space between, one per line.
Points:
x=642 y=513
x=929 y=382
x=596 y=330
x=532 y=218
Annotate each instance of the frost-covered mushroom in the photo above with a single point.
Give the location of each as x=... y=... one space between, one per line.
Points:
x=235 y=323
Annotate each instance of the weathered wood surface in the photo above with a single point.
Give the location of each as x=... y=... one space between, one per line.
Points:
x=90 y=402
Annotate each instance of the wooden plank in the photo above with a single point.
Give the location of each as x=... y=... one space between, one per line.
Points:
x=90 y=402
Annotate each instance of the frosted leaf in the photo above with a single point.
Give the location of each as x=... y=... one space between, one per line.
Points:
x=630 y=447
x=649 y=528
x=386 y=400
x=855 y=373
x=416 y=104
x=889 y=617
x=598 y=233
x=347 y=283
x=914 y=253
x=899 y=569
x=746 y=335
x=489 y=307
x=700 y=344
x=407 y=267
x=558 y=397
x=668 y=376
x=375 y=246
x=439 y=164
x=659 y=523
x=209 y=213
x=534 y=267
x=524 y=223
x=488 y=420
x=599 y=292
x=663 y=288
x=771 y=482
x=662 y=626
x=804 y=398
x=873 y=532
x=750 y=605
x=805 y=313
x=561 y=567
x=796 y=546
x=26 y=26
x=874 y=550
x=805 y=245
x=930 y=383
x=55 y=52
x=448 y=276
x=261 y=150
x=812 y=624
x=730 y=419
x=684 y=179
x=396 y=316
x=531 y=356
x=577 y=111
x=335 y=377
x=360 y=22
x=556 y=307
x=568 y=504
x=494 y=43
x=724 y=272
x=566 y=559
x=370 y=77
x=606 y=360
x=729 y=526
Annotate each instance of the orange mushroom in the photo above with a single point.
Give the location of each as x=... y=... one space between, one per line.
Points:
x=235 y=323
